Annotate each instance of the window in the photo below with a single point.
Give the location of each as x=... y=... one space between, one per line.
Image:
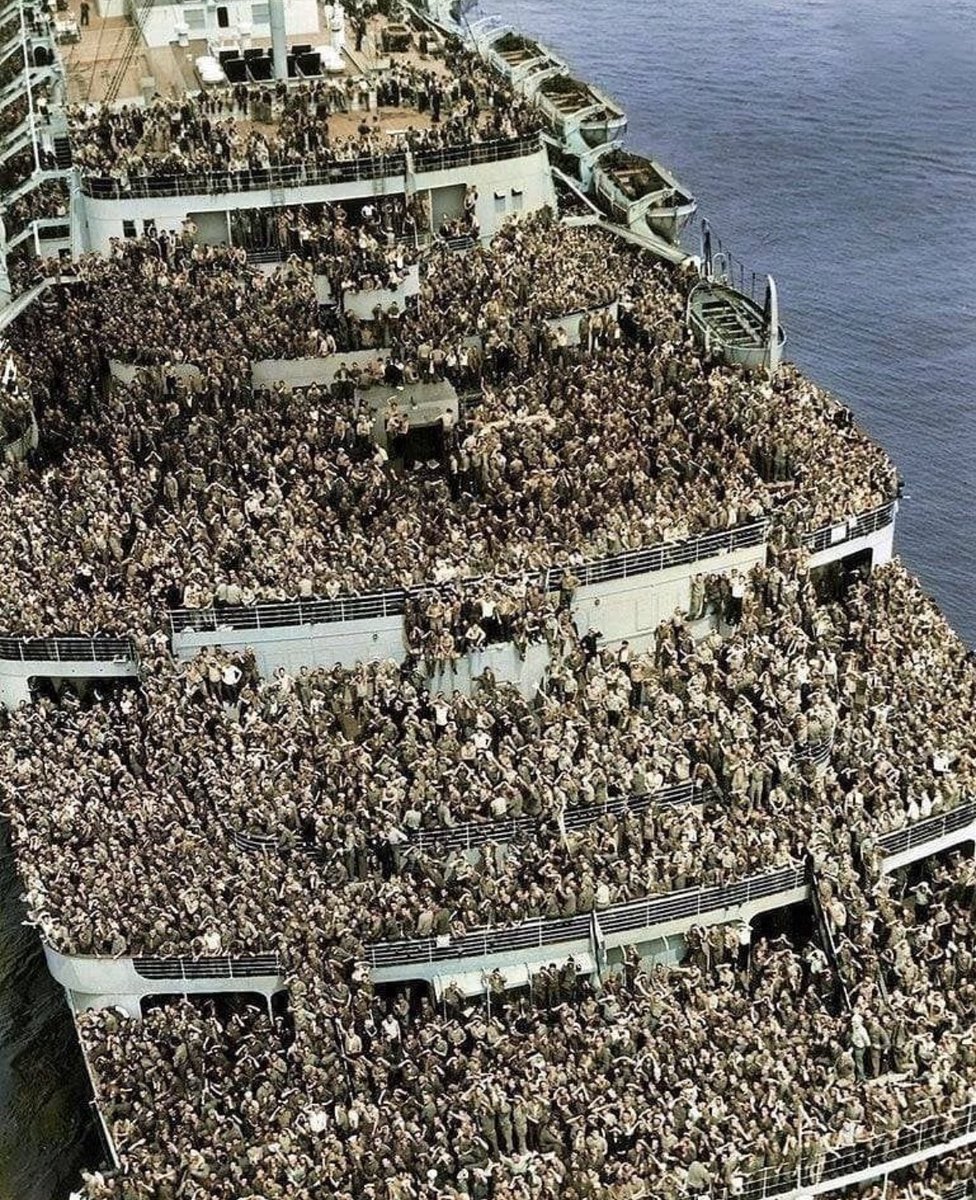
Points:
x=500 y=199
x=128 y=229
x=196 y=19
x=261 y=14
x=517 y=199
x=223 y=17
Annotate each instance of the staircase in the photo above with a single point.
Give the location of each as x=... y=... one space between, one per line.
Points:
x=826 y=938
x=62 y=152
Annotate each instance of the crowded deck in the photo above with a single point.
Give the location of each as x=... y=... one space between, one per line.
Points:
x=463 y=735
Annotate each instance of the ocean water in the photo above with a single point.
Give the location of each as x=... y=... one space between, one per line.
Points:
x=829 y=142
x=46 y=1132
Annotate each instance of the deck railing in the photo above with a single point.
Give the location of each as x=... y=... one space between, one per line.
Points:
x=367 y=169
x=254 y=842
x=216 y=967
x=845 y=531
x=469 y=835
x=873 y=1155
x=371 y=605
x=273 y=615
x=209 y=183
x=543 y=932
x=930 y=829
x=817 y=753
x=67 y=649
x=472 y=834
x=474 y=154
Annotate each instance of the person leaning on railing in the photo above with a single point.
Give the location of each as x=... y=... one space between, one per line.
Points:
x=404 y=763
x=551 y=466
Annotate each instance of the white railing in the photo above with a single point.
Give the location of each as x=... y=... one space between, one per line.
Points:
x=930 y=829
x=367 y=169
x=817 y=753
x=544 y=932
x=219 y=182
x=67 y=649
x=875 y=1156
x=370 y=605
x=215 y=967
x=854 y=527
x=469 y=835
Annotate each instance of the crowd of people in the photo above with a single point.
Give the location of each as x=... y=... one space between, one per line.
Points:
x=204 y=810
x=660 y=1082
x=455 y=100
x=352 y=764
x=443 y=624
x=48 y=199
x=181 y=484
x=370 y=250
x=951 y=1177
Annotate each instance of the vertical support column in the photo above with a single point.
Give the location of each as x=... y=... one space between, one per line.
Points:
x=279 y=42
x=705 y=267
x=6 y=291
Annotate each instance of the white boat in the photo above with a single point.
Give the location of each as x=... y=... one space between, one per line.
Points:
x=640 y=192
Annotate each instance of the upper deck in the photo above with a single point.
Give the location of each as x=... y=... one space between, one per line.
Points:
x=159 y=116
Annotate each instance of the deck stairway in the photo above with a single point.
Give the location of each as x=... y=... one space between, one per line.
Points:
x=62 y=152
x=826 y=939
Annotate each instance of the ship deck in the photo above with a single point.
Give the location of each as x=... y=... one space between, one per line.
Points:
x=93 y=61
x=102 y=47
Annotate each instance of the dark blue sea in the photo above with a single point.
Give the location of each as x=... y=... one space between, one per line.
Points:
x=830 y=142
